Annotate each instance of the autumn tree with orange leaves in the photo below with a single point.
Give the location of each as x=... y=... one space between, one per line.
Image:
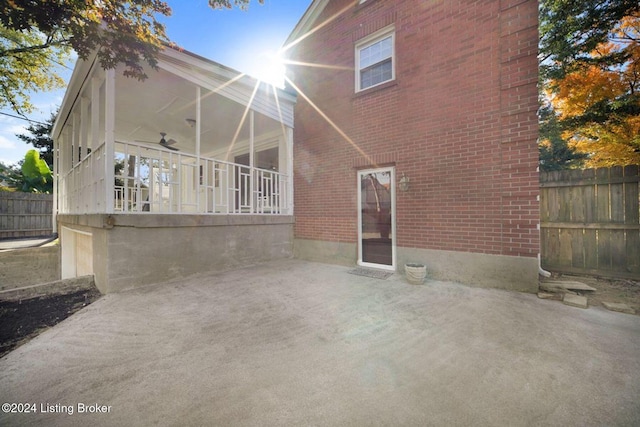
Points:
x=591 y=84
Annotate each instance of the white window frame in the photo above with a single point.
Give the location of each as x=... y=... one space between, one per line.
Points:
x=369 y=41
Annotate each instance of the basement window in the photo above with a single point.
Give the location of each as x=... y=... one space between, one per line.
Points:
x=375 y=59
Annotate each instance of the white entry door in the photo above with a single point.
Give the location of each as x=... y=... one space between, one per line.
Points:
x=376 y=218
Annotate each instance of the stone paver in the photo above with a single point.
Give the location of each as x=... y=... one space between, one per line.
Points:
x=620 y=307
x=575 y=300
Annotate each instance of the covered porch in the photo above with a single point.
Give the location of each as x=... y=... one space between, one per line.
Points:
x=195 y=137
x=185 y=172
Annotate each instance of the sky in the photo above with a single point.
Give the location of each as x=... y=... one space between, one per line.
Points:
x=238 y=39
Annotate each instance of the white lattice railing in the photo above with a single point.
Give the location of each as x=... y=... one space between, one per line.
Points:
x=156 y=180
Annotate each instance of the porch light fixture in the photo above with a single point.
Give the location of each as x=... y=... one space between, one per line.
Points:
x=403 y=184
x=190 y=122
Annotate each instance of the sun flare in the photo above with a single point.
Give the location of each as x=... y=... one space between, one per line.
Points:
x=271 y=68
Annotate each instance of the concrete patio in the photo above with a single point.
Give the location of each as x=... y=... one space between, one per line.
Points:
x=299 y=343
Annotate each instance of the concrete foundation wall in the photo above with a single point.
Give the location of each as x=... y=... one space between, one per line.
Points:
x=327 y=252
x=136 y=250
x=489 y=271
x=29 y=266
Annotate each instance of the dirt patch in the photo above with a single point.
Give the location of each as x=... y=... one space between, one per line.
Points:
x=24 y=319
x=608 y=290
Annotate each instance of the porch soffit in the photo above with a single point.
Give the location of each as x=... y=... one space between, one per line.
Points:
x=231 y=84
x=207 y=74
x=166 y=100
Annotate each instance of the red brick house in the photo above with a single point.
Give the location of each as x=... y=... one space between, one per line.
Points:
x=415 y=137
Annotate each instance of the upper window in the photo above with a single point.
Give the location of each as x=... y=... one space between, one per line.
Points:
x=375 y=60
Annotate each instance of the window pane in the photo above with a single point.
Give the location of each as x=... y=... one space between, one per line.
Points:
x=376 y=74
x=376 y=52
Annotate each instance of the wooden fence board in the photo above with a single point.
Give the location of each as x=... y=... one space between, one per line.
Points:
x=590 y=249
x=618 y=250
x=633 y=252
x=544 y=206
x=631 y=199
x=617 y=199
x=553 y=203
x=577 y=248
x=550 y=246
x=565 y=252
x=602 y=203
x=578 y=211
x=590 y=221
x=604 y=250
x=564 y=209
x=589 y=193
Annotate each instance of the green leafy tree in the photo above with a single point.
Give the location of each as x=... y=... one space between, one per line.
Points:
x=25 y=70
x=37 y=34
x=36 y=174
x=10 y=177
x=39 y=135
x=570 y=30
x=555 y=152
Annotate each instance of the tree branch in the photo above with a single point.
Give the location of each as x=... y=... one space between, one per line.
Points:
x=40 y=47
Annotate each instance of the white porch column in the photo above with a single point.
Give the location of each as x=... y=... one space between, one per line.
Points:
x=75 y=141
x=54 y=225
x=252 y=175
x=94 y=138
x=84 y=126
x=62 y=168
x=289 y=150
x=199 y=168
x=109 y=138
x=95 y=113
x=63 y=155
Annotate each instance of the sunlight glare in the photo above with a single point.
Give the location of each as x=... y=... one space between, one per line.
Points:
x=331 y=122
x=271 y=68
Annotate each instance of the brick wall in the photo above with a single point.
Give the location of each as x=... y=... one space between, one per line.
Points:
x=459 y=120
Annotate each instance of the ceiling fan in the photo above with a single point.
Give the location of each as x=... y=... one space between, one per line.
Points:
x=163 y=141
x=167 y=143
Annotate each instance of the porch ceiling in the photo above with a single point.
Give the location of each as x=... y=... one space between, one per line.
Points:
x=164 y=101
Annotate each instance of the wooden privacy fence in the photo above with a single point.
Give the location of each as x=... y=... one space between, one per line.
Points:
x=25 y=215
x=590 y=222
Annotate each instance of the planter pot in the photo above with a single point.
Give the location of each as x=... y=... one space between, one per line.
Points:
x=415 y=273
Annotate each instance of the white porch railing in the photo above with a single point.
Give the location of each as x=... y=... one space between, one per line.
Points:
x=157 y=180
x=82 y=189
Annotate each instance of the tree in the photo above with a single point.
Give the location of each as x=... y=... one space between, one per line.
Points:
x=10 y=177
x=33 y=176
x=591 y=75
x=36 y=174
x=40 y=138
x=23 y=71
x=36 y=34
x=570 y=30
x=220 y=4
x=555 y=152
